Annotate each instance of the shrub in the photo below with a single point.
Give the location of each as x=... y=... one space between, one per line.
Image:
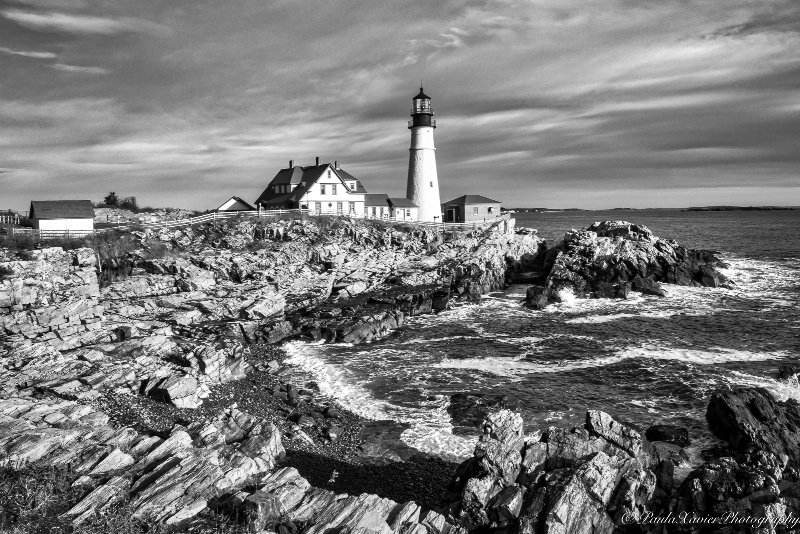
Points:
x=129 y=203
x=111 y=199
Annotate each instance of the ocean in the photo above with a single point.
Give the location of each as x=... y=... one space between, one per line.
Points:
x=646 y=360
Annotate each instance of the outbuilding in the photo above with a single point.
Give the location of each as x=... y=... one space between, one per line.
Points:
x=71 y=217
x=376 y=205
x=403 y=209
x=471 y=208
x=235 y=204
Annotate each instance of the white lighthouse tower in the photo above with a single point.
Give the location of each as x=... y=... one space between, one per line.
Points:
x=423 y=182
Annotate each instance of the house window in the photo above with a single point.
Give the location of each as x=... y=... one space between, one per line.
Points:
x=490 y=209
x=352 y=207
x=475 y=210
x=431 y=184
x=373 y=211
x=338 y=206
x=322 y=189
x=333 y=189
x=329 y=176
x=352 y=186
x=408 y=213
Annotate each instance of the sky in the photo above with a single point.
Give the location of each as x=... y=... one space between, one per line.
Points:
x=560 y=103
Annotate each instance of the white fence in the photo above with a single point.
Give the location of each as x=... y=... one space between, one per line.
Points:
x=261 y=214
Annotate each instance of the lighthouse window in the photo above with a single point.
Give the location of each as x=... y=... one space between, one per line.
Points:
x=322 y=189
x=333 y=189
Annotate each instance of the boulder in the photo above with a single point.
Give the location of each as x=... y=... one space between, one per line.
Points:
x=669 y=433
x=647 y=286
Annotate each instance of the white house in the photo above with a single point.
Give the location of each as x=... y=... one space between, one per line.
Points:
x=321 y=188
x=73 y=216
x=235 y=204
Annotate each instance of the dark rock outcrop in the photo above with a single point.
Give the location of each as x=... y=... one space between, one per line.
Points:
x=668 y=433
x=752 y=421
x=609 y=259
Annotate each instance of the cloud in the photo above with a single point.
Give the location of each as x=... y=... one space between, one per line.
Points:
x=560 y=102
x=79 y=70
x=24 y=53
x=78 y=24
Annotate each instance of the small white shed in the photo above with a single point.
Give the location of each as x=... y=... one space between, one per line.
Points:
x=75 y=217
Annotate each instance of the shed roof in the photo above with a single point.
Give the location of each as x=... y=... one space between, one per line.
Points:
x=233 y=201
x=402 y=203
x=376 y=199
x=62 y=209
x=473 y=199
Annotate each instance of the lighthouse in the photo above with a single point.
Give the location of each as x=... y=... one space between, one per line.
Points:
x=423 y=182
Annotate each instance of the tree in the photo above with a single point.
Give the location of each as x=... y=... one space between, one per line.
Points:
x=129 y=203
x=111 y=199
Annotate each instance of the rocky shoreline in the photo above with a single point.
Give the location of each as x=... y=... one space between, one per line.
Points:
x=160 y=384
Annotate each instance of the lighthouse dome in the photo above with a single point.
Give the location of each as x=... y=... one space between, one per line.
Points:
x=421 y=95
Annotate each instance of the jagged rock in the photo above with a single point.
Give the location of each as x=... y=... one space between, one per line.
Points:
x=505 y=426
x=577 y=504
x=180 y=391
x=604 y=426
x=470 y=410
x=751 y=420
x=609 y=258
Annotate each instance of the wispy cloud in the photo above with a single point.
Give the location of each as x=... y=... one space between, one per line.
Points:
x=53 y=21
x=25 y=53
x=79 y=70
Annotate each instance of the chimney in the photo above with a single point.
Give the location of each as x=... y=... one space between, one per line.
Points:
x=291 y=164
x=317 y=161
x=336 y=165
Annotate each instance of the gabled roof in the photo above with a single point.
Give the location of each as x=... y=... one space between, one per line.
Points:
x=288 y=176
x=233 y=201
x=62 y=209
x=473 y=199
x=344 y=175
x=376 y=199
x=303 y=178
x=402 y=203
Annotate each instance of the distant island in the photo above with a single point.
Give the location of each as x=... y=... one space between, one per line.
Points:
x=694 y=208
x=738 y=208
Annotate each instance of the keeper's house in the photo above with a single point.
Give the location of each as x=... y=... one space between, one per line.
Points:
x=470 y=208
x=73 y=216
x=321 y=188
